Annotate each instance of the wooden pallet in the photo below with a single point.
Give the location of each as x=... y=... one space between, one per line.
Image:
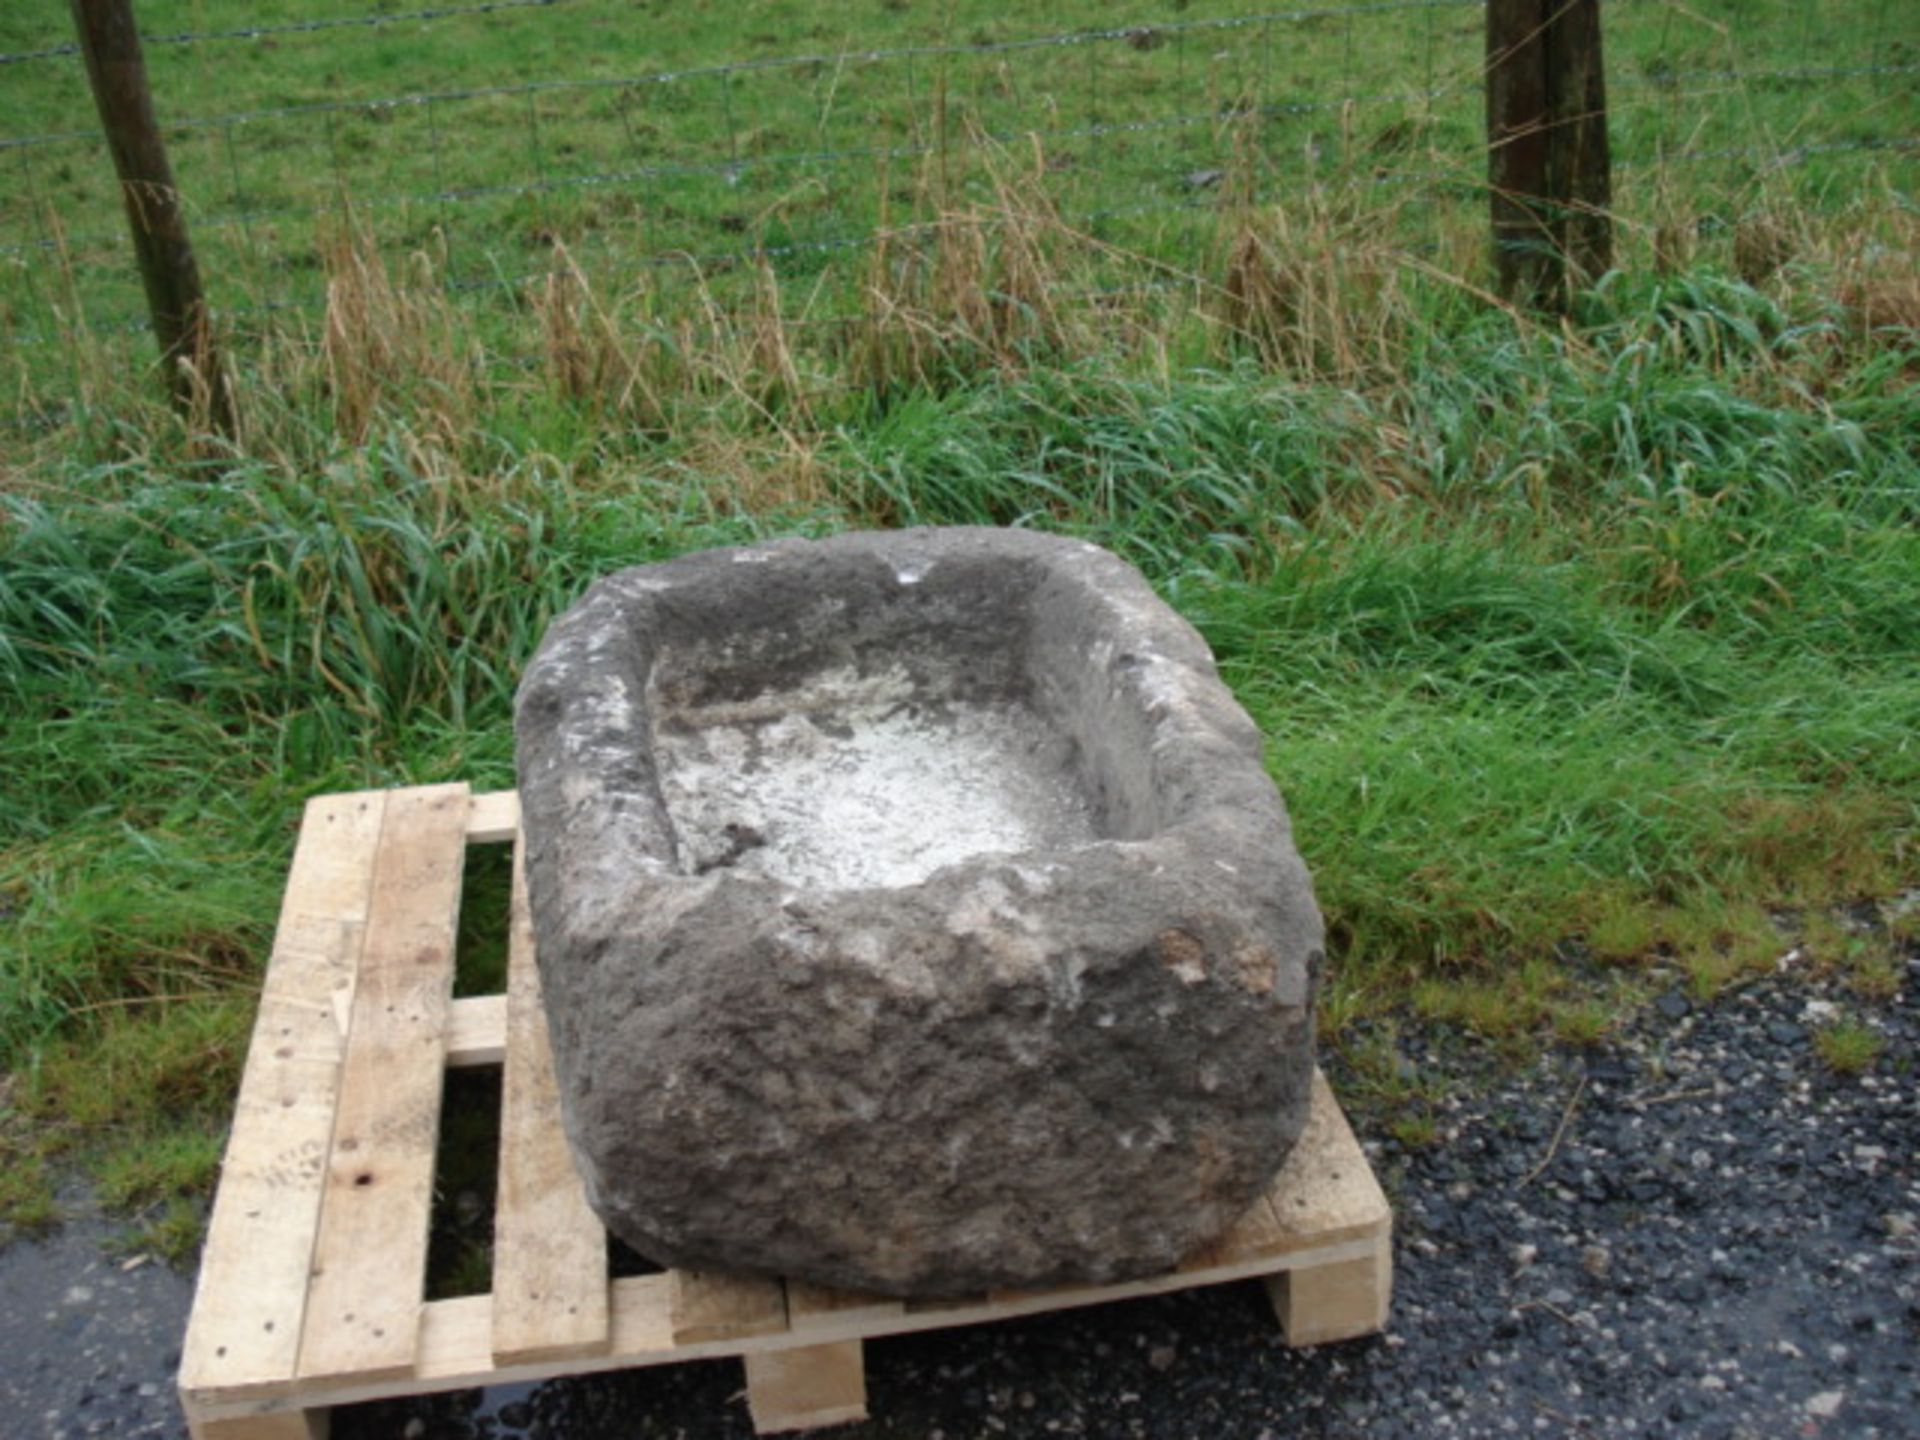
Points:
x=312 y=1281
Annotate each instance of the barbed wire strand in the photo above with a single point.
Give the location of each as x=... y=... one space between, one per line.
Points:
x=716 y=261
x=1120 y=34
x=380 y=20
x=1670 y=82
x=732 y=170
x=299 y=27
x=737 y=170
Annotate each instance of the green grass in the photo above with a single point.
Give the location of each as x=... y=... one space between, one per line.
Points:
x=708 y=165
x=26 y=1190
x=1605 y=639
x=1847 y=1047
x=1583 y=651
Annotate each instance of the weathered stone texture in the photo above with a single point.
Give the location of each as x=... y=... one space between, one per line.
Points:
x=1076 y=1059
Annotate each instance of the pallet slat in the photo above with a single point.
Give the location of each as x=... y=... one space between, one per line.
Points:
x=252 y=1290
x=1326 y=1191
x=456 y=1335
x=710 y=1306
x=456 y=1344
x=550 y=1250
x=815 y=1307
x=370 y=1257
x=358 y=1062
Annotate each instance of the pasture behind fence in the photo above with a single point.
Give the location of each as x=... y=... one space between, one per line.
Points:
x=520 y=126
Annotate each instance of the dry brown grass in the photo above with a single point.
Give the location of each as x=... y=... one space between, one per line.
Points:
x=1879 y=282
x=392 y=343
x=617 y=361
x=1313 y=283
x=975 y=287
x=1330 y=283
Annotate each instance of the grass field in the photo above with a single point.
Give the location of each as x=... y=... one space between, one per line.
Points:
x=1586 y=651
x=520 y=127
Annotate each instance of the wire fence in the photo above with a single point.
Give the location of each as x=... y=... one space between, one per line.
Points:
x=507 y=128
x=296 y=27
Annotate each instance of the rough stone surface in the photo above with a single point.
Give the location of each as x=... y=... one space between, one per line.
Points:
x=914 y=914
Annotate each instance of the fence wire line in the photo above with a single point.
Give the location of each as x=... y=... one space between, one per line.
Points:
x=737 y=169
x=1672 y=81
x=377 y=20
x=732 y=170
x=1064 y=39
x=1778 y=159
x=298 y=27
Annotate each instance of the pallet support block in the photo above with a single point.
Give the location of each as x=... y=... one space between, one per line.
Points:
x=310 y=1292
x=807 y=1387
x=1342 y=1300
x=284 y=1425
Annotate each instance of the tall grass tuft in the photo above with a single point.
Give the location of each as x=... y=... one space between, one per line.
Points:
x=387 y=342
x=1592 y=638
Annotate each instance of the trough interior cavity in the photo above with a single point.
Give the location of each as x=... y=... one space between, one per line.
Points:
x=852 y=781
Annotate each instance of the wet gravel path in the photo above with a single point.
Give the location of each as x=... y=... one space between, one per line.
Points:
x=1695 y=1229
x=89 y=1337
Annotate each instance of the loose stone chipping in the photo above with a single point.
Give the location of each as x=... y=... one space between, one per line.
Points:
x=853 y=784
x=914 y=914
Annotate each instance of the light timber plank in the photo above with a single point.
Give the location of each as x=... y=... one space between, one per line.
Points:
x=1326 y=1190
x=1256 y=1235
x=251 y=1294
x=495 y=817
x=1325 y=1220
x=456 y=1336
x=808 y=1387
x=477 y=1031
x=1340 y=1301
x=369 y=1261
x=711 y=1306
x=549 y=1248
x=813 y=1307
x=279 y=1425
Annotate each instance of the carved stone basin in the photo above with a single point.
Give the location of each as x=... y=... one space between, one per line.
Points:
x=914 y=914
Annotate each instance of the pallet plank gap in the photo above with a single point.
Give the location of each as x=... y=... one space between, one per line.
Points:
x=1256 y=1235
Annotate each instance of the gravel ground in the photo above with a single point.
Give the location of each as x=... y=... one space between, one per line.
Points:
x=89 y=1337
x=1692 y=1230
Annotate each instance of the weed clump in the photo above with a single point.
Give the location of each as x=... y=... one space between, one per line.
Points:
x=1847 y=1047
x=1594 y=636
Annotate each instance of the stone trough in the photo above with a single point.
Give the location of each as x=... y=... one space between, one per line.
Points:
x=914 y=915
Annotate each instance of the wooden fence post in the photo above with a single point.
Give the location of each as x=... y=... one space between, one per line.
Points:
x=110 y=44
x=1582 y=174
x=1547 y=159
